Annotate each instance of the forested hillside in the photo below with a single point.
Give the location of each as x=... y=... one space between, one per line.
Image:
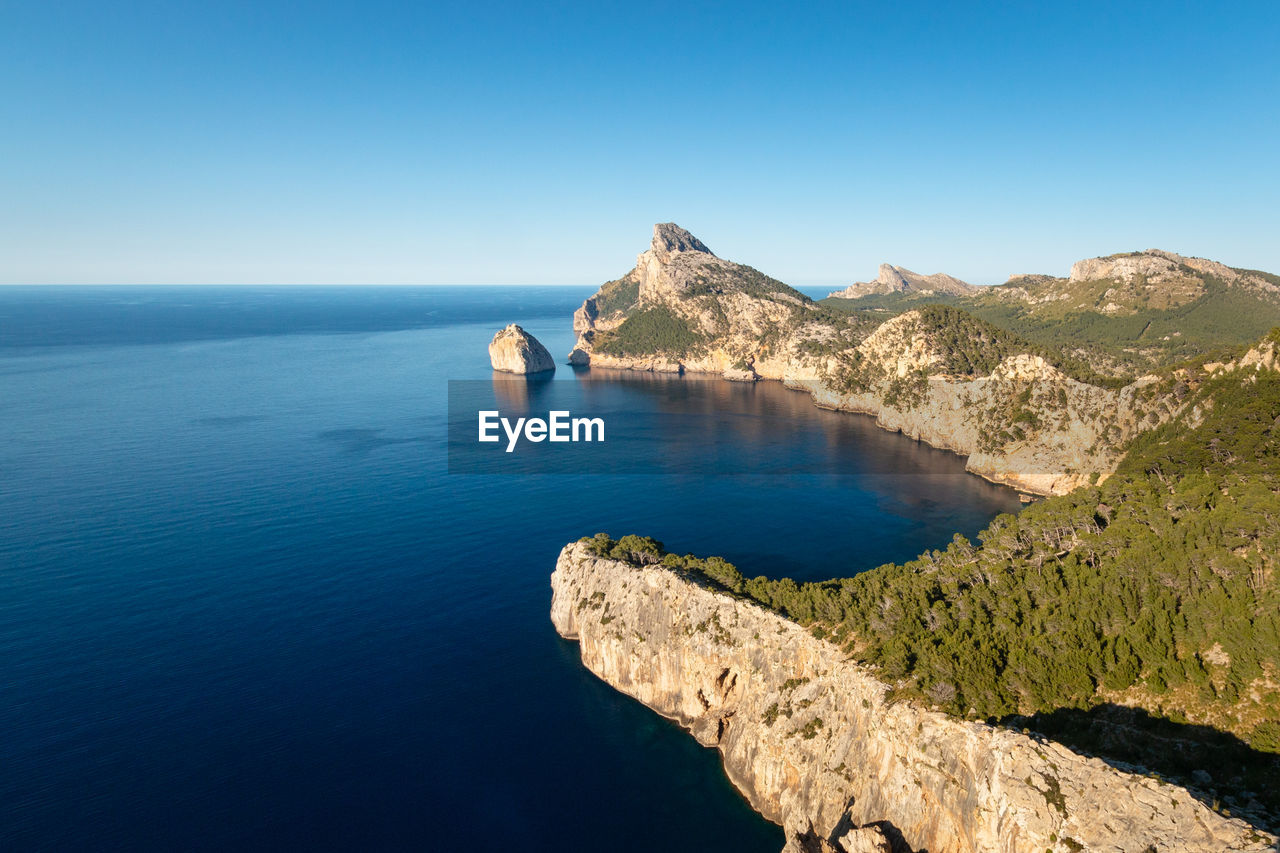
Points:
x=1156 y=590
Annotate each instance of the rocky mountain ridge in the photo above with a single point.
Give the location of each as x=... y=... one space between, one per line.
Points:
x=1024 y=423
x=1127 y=283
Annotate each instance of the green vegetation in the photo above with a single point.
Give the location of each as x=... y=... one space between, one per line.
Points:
x=969 y=346
x=742 y=279
x=888 y=304
x=1129 y=584
x=810 y=729
x=1156 y=588
x=1156 y=331
x=649 y=332
x=1152 y=336
x=618 y=295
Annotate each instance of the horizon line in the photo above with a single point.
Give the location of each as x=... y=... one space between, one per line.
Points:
x=811 y=283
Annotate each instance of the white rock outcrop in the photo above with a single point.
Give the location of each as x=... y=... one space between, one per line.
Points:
x=513 y=350
x=1155 y=265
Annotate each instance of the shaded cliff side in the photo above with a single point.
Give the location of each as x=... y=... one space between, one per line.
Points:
x=813 y=742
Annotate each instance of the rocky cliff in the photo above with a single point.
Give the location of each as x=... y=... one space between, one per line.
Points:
x=682 y=308
x=893 y=279
x=814 y=743
x=513 y=350
x=1024 y=423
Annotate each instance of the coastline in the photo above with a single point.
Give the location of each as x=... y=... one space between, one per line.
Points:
x=815 y=392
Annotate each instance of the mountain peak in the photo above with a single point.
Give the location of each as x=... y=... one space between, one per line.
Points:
x=891 y=279
x=669 y=238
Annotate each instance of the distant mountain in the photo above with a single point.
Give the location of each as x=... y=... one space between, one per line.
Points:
x=1130 y=313
x=1128 y=283
x=902 y=280
x=1123 y=315
x=682 y=307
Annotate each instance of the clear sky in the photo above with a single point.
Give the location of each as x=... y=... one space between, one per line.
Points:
x=475 y=142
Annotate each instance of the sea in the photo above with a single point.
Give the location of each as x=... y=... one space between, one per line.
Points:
x=249 y=600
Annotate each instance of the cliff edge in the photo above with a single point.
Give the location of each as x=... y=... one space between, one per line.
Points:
x=813 y=742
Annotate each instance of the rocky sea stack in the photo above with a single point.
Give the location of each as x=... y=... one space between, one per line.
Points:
x=513 y=350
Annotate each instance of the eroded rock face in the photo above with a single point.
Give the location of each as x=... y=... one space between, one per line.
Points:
x=1075 y=434
x=893 y=279
x=513 y=350
x=813 y=742
x=669 y=238
x=585 y=317
x=1154 y=265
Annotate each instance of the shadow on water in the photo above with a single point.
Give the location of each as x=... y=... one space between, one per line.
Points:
x=522 y=393
x=1216 y=767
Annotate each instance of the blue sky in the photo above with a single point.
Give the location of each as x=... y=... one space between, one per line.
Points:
x=538 y=143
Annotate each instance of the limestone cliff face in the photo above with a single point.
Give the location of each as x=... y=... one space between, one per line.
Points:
x=893 y=279
x=733 y=308
x=513 y=350
x=814 y=744
x=1154 y=265
x=1025 y=424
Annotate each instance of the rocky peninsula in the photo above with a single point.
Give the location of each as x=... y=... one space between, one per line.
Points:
x=815 y=744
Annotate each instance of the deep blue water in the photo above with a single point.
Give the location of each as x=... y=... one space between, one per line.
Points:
x=243 y=604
